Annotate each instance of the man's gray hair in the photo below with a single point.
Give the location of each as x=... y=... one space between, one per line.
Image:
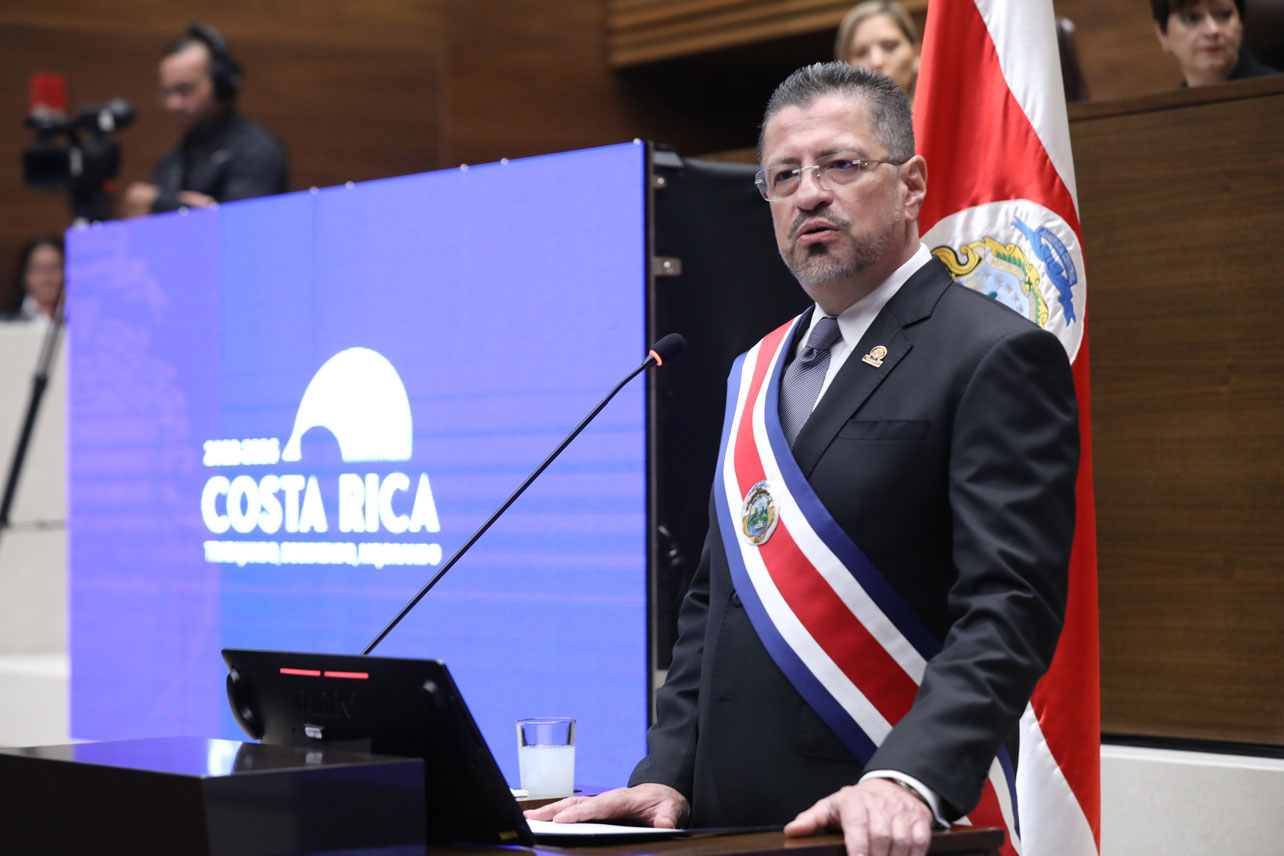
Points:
x=888 y=108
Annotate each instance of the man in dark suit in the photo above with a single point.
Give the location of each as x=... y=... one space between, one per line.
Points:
x=884 y=579
x=223 y=155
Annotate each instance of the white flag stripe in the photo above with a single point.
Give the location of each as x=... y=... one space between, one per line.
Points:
x=742 y=392
x=830 y=567
x=1045 y=794
x=812 y=655
x=1032 y=74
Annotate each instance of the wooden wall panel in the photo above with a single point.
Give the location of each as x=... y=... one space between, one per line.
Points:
x=354 y=89
x=733 y=52
x=361 y=90
x=641 y=31
x=101 y=74
x=364 y=116
x=385 y=87
x=1117 y=48
x=1116 y=43
x=531 y=80
x=1179 y=195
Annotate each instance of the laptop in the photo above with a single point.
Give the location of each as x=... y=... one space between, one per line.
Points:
x=382 y=706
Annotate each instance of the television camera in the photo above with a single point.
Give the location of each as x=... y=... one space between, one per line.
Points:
x=79 y=153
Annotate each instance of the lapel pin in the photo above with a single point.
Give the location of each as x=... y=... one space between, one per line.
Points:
x=875 y=356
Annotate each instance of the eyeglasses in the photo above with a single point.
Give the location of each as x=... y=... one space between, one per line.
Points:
x=182 y=89
x=781 y=181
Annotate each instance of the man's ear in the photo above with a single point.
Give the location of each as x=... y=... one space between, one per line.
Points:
x=914 y=178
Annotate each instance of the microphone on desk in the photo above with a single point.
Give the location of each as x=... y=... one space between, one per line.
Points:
x=666 y=348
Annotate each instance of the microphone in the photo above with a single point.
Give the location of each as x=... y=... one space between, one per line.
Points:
x=668 y=347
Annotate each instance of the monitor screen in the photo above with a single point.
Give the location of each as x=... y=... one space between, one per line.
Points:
x=285 y=413
x=384 y=706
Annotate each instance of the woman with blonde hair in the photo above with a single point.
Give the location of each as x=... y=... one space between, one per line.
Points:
x=880 y=35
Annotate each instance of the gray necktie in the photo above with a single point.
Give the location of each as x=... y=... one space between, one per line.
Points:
x=805 y=375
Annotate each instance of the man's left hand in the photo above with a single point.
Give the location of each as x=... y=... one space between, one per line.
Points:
x=877 y=817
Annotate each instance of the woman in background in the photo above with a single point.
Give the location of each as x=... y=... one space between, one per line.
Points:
x=38 y=279
x=880 y=35
x=1206 y=38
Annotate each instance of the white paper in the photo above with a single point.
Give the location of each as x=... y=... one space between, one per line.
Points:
x=548 y=827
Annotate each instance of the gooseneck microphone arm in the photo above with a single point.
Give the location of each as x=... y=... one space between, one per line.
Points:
x=664 y=349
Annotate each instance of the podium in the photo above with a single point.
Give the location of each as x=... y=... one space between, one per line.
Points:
x=957 y=842
x=204 y=797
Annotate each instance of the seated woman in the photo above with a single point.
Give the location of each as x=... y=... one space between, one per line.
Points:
x=880 y=35
x=1206 y=38
x=38 y=280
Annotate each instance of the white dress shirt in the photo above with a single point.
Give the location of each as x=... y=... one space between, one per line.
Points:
x=855 y=319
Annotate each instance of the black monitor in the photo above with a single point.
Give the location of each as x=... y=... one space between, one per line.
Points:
x=383 y=706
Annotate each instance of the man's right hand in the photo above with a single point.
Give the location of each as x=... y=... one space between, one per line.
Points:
x=137 y=199
x=655 y=805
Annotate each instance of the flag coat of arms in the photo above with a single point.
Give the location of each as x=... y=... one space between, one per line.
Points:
x=1002 y=213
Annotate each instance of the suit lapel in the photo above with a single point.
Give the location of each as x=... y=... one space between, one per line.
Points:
x=859 y=377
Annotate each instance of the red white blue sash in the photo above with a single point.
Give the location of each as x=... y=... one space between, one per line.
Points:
x=844 y=637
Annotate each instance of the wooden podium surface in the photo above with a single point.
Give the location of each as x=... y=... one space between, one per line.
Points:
x=963 y=842
x=957 y=842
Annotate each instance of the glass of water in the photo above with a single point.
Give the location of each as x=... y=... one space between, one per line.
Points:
x=546 y=756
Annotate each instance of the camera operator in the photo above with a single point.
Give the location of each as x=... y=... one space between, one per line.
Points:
x=223 y=155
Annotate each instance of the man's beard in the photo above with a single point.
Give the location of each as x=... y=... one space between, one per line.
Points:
x=820 y=264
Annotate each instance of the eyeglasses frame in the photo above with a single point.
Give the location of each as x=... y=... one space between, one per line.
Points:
x=760 y=177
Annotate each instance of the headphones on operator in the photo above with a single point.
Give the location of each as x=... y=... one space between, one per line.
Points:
x=225 y=72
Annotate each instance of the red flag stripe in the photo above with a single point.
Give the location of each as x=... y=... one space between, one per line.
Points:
x=1004 y=157
x=988 y=814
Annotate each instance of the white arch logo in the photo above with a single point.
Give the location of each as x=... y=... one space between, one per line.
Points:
x=358 y=397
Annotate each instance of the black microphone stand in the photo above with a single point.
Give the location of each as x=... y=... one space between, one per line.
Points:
x=39 y=382
x=651 y=360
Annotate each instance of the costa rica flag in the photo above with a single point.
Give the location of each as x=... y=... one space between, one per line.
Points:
x=1002 y=212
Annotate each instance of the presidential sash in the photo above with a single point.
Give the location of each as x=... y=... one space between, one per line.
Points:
x=843 y=636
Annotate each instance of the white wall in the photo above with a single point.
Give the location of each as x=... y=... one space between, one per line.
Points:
x=33 y=553
x=1168 y=803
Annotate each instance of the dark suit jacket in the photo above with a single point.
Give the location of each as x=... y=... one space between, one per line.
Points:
x=229 y=157
x=953 y=468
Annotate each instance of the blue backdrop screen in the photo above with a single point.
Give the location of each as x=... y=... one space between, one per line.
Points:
x=285 y=413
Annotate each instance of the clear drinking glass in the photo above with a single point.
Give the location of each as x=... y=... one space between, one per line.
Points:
x=546 y=756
